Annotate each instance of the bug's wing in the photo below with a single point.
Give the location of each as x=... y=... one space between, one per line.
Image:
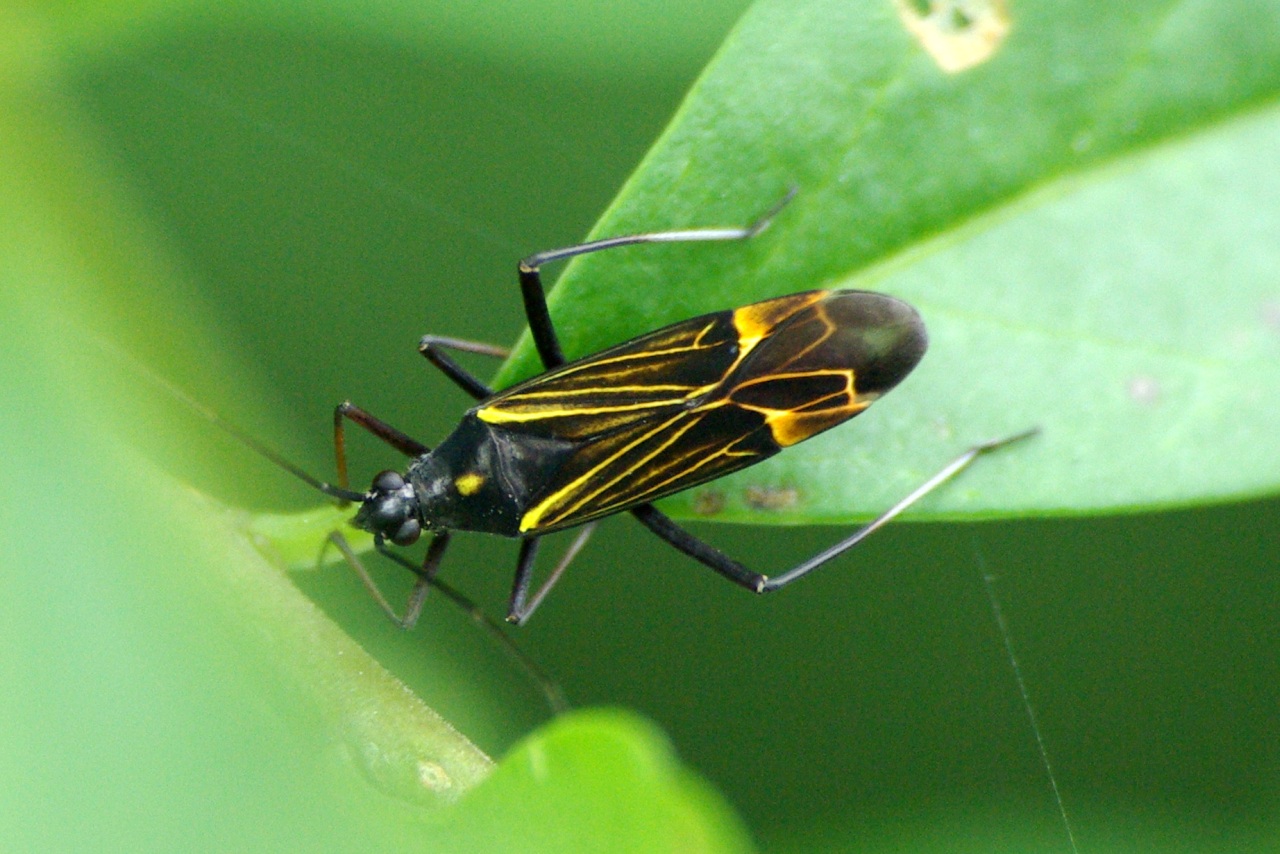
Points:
x=637 y=382
x=624 y=469
x=827 y=362
x=706 y=397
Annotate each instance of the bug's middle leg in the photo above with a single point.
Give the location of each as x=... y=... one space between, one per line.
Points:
x=522 y=604
x=433 y=347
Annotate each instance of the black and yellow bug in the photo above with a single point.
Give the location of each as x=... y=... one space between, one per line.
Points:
x=617 y=430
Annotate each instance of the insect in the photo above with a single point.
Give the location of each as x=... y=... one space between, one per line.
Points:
x=617 y=430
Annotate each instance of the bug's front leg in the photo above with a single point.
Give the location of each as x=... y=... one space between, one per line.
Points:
x=348 y=411
x=428 y=580
x=425 y=575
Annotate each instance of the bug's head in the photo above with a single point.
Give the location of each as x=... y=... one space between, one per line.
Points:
x=390 y=510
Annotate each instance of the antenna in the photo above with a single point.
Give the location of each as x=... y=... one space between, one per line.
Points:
x=550 y=690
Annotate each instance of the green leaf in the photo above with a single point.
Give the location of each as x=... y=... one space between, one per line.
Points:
x=270 y=214
x=150 y=642
x=601 y=780
x=575 y=37
x=1085 y=220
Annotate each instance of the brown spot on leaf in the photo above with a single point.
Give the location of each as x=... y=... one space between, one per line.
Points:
x=771 y=497
x=433 y=777
x=708 y=502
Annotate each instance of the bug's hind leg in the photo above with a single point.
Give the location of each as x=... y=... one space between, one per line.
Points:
x=700 y=550
x=658 y=522
x=535 y=298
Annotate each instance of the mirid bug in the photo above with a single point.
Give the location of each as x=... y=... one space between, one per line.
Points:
x=615 y=431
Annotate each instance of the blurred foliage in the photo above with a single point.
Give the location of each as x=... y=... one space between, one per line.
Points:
x=267 y=204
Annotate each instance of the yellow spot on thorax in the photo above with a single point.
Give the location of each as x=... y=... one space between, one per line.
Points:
x=469 y=483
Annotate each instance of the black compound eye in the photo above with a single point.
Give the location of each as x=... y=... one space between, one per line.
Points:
x=388 y=481
x=408 y=533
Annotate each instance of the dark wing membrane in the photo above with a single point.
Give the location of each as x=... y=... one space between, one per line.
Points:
x=704 y=398
x=827 y=362
x=878 y=337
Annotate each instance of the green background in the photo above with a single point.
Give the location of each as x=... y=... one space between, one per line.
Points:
x=268 y=206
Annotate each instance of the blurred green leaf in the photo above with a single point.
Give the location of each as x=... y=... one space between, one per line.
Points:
x=270 y=207
x=565 y=36
x=600 y=780
x=1086 y=222
x=164 y=683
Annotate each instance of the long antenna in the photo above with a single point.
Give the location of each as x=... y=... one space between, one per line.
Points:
x=343 y=496
x=550 y=690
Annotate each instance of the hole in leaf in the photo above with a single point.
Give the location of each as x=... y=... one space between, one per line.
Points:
x=958 y=34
